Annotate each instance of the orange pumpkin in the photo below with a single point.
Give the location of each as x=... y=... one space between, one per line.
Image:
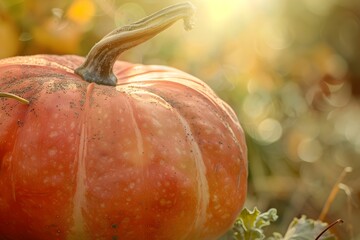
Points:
x=133 y=152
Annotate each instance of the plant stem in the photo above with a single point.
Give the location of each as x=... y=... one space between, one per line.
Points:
x=328 y=227
x=98 y=66
x=333 y=193
x=10 y=95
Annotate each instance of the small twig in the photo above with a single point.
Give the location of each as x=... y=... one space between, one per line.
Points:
x=349 y=221
x=10 y=95
x=333 y=193
x=328 y=227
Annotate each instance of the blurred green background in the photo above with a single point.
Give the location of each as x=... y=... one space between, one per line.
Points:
x=289 y=69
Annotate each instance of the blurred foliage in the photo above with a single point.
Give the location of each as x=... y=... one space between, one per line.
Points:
x=250 y=225
x=290 y=69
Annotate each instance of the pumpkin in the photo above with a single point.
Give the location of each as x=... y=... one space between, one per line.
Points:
x=106 y=149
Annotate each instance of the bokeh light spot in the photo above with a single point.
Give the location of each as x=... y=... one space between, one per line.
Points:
x=336 y=66
x=81 y=11
x=270 y=130
x=255 y=104
x=310 y=150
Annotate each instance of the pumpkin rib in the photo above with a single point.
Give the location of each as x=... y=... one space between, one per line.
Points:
x=67 y=61
x=139 y=71
x=167 y=79
x=140 y=149
x=79 y=198
x=121 y=70
x=225 y=124
x=202 y=186
x=11 y=191
x=218 y=104
x=42 y=79
x=158 y=70
x=236 y=137
x=36 y=60
x=222 y=112
x=14 y=152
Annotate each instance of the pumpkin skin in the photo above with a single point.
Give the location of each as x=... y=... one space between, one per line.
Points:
x=159 y=156
x=106 y=149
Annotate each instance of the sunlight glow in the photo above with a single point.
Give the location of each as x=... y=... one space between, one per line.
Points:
x=220 y=12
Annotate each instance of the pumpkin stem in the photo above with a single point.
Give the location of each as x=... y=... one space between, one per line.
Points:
x=10 y=95
x=98 y=66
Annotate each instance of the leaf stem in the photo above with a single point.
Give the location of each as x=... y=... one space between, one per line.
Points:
x=328 y=227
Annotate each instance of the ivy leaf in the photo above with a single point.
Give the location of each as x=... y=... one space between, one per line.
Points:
x=249 y=225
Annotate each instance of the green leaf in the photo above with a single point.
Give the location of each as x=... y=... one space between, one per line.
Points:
x=249 y=225
x=276 y=236
x=248 y=219
x=307 y=229
x=264 y=219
